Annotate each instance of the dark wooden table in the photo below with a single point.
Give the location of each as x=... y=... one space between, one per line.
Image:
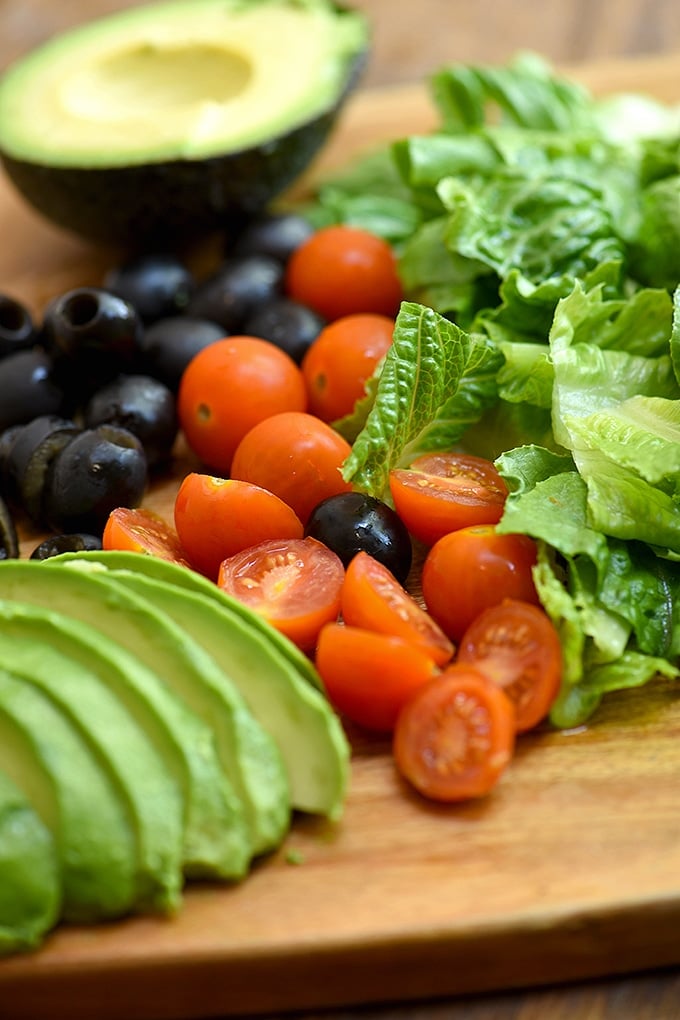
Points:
x=410 y=40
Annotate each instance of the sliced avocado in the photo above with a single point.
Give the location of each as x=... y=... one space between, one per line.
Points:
x=307 y=731
x=45 y=755
x=30 y=890
x=250 y=758
x=163 y=120
x=43 y=647
x=133 y=650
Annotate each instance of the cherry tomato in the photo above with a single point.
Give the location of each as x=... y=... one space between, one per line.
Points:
x=473 y=568
x=344 y=355
x=455 y=737
x=217 y=517
x=229 y=387
x=341 y=270
x=143 y=531
x=442 y=492
x=515 y=645
x=372 y=598
x=294 y=584
x=296 y=456
x=369 y=677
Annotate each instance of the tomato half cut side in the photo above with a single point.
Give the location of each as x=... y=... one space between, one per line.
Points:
x=369 y=677
x=372 y=598
x=455 y=737
x=143 y=531
x=295 y=584
x=516 y=645
x=441 y=492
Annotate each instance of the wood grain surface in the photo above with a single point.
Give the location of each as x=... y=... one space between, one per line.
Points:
x=571 y=870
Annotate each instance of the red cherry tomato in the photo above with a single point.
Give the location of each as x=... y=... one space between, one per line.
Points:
x=344 y=355
x=442 y=492
x=296 y=456
x=143 y=531
x=217 y=517
x=341 y=270
x=369 y=677
x=456 y=736
x=294 y=584
x=515 y=645
x=229 y=387
x=372 y=598
x=473 y=568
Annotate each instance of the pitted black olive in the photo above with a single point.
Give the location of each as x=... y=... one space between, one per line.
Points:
x=28 y=461
x=17 y=328
x=169 y=345
x=29 y=387
x=286 y=323
x=57 y=544
x=144 y=406
x=236 y=289
x=277 y=235
x=9 y=539
x=157 y=285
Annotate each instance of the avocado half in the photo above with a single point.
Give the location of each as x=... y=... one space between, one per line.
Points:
x=164 y=122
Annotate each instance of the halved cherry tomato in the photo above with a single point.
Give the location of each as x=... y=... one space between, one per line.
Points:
x=143 y=531
x=455 y=737
x=218 y=517
x=296 y=456
x=441 y=492
x=473 y=568
x=369 y=677
x=372 y=598
x=344 y=355
x=341 y=270
x=229 y=387
x=295 y=585
x=515 y=645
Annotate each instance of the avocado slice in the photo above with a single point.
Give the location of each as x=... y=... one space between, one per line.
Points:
x=221 y=724
x=297 y=714
x=44 y=754
x=216 y=840
x=30 y=890
x=43 y=646
x=165 y=120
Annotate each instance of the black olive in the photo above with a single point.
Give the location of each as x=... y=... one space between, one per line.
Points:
x=286 y=323
x=144 y=406
x=17 y=329
x=7 y=438
x=275 y=234
x=33 y=450
x=236 y=289
x=353 y=522
x=57 y=544
x=168 y=346
x=99 y=470
x=9 y=539
x=28 y=387
x=158 y=285
x=94 y=335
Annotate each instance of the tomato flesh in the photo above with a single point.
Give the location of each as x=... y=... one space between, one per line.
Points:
x=295 y=585
x=144 y=531
x=369 y=677
x=442 y=492
x=372 y=598
x=455 y=737
x=516 y=646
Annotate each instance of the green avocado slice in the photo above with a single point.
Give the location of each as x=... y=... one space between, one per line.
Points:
x=42 y=646
x=297 y=714
x=43 y=753
x=30 y=890
x=248 y=756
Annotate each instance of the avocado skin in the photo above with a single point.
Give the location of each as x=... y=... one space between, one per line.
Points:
x=30 y=890
x=171 y=204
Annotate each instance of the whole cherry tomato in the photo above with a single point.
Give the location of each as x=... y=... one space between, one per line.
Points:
x=344 y=355
x=341 y=270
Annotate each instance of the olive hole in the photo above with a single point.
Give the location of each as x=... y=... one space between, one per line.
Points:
x=81 y=309
x=13 y=318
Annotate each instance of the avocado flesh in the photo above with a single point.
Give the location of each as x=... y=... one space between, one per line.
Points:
x=43 y=753
x=47 y=650
x=307 y=731
x=30 y=890
x=216 y=841
x=231 y=98
x=249 y=758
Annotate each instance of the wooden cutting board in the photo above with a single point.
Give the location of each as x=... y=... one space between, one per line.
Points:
x=570 y=869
